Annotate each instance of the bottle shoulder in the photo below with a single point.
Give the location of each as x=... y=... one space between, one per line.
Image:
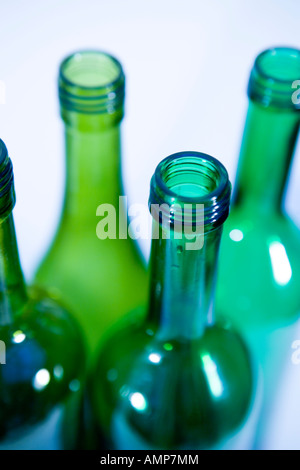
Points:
x=44 y=364
x=259 y=270
x=255 y=236
x=70 y=250
x=168 y=391
x=99 y=279
x=265 y=222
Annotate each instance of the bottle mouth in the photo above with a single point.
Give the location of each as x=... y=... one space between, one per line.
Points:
x=91 y=82
x=7 y=190
x=190 y=183
x=272 y=77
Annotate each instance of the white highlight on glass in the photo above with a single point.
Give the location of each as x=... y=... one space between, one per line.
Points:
x=236 y=235
x=138 y=401
x=155 y=358
x=213 y=377
x=41 y=379
x=281 y=267
x=18 y=336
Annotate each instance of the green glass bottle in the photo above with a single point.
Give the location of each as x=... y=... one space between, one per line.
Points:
x=99 y=278
x=259 y=274
x=176 y=379
x=42 y=367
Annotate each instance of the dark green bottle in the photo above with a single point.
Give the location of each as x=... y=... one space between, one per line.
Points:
x=42 y=360
x=176 y=379
x=259 y=273
x=100 y=279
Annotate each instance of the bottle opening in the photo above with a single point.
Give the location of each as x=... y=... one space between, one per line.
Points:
x=280 y=64
x=272 y=77
x=91 y=69
x=195 y=181
x=91 y=82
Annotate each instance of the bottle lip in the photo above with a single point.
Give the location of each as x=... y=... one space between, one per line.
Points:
x=272 y=76
x=290 y=52
x=7 y=190
x=210 y=193
x=91 y=81
x=3 y=152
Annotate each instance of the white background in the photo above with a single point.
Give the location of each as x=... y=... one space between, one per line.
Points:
x=187 y=65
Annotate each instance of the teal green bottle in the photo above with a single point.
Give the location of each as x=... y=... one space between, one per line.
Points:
x=259 y=276
x=99 y=278
x=175 y=379
x=42 y=353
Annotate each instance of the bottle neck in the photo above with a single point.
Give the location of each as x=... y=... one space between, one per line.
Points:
x=266 y=153
x=182 y=285
x=12 y=286
x=92 y=171
x=91 y=88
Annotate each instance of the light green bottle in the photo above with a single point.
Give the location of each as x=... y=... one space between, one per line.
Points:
x=176 y=379
x=100 y=279
x=259 y=275
x=42 y=357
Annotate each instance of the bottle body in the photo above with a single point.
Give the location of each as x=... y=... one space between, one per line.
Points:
x=42 y=380
x=263 y=310
x=155 y=394
x=174 y=379
x=259 y=260
x=100 y=275
x=42 y=375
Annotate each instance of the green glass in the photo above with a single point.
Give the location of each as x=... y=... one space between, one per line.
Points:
x=259 y=274
x=100 y=279
x=41 y=376
x=175 y=379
